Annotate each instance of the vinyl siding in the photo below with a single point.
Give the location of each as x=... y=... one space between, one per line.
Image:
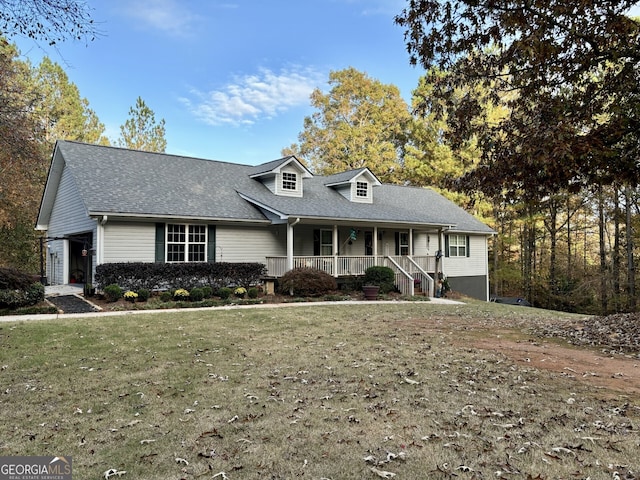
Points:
x=69 y=214
x=421 y=243
x=249 y=244
x=474 y=265
x=129 y=242
x=68 y=217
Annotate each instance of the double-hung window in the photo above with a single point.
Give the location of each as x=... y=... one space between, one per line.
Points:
x=289 y=181
x=457 y=245
x=186 y=243
x=326 y=242
x=403 y=243
x=362 y=189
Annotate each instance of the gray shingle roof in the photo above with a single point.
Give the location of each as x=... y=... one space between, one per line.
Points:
x=127 y=182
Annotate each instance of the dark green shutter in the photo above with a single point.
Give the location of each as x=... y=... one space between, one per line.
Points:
x=316 y=242
x=211 y=244
x=468 y=245
x=397 y=234
x=446 y=245
x=160 y=243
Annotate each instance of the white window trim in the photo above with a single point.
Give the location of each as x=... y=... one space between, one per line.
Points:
x=457 y=245
x=362 y=185
x=295 y=181
x=186 y=243
x=403 y=245
x=330 y=244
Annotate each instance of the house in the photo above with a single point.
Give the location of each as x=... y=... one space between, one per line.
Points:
x=105 y=204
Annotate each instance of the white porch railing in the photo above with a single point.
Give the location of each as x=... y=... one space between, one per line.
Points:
x=410 y=271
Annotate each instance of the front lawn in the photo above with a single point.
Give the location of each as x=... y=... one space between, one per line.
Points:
x=336 y=392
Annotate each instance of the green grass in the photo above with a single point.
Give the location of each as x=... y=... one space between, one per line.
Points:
x=303 y=391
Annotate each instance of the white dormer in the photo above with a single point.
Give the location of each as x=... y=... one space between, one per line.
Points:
x=283 y=177
x=355 y=185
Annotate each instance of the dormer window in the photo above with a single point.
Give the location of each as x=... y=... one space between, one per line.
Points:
x=289 y=181
x=362 y=189
x=354 y=185
x=283 y=177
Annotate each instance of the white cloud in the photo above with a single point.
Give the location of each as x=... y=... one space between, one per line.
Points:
x=171 y=16
x=252 y=97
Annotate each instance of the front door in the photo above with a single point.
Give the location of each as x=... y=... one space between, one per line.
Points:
x=80 y=263
x=368 y=243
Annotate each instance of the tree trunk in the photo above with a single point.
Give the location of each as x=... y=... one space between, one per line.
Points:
x=569 y=243
x=603 y=253
x=615 y=261
x=552 y=227
x=631 y=268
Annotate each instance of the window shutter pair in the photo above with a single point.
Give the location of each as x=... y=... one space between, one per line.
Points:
x=160 y=243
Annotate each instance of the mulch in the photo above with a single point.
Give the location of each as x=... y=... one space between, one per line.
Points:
x=72 y=304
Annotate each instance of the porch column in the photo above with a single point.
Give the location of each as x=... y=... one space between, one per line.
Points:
x=375 y=245
x=439 y=256
x=336 y=250
x=290 y=243
x=411 y=242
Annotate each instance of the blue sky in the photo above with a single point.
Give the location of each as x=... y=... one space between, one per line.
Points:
x=231 y=78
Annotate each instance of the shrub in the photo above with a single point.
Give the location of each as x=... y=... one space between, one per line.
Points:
x=381 y=276
x=196 y=294
x=112 y=292
x=307 y=282
x=181 y=294
x=225 y=292
x=12 y=279
x=35 y=293
x=143 y=294
x=253 y=292
x=130 y=296
x=207 y=291
x=240 y=292
x=17 y=289
x=166 y=296
x=158 y=276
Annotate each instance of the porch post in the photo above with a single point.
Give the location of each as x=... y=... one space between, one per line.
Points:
x=290 y=243
x=336 y=251
x=439 y=256
x=411 y=242
x=375 y=245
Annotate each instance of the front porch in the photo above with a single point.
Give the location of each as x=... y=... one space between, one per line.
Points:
x=414 y=274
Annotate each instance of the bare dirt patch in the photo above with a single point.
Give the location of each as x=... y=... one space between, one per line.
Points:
x=613 y=372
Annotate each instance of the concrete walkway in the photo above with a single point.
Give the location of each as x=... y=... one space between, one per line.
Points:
x=70 y=289
x=78 y=290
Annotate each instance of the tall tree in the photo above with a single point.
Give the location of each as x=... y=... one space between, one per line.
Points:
x=360 y=122
x=22 y=163
x=141 y=131
x=51 y=21
x=61 y=111
x=572 y=63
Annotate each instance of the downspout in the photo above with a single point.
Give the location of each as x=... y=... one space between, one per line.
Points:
x=290 y=243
